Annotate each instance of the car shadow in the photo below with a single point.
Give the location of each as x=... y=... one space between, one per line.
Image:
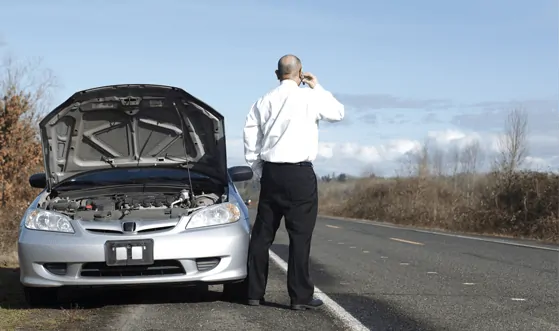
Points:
x=93 y=298
x=12 y=296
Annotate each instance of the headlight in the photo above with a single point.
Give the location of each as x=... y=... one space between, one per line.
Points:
x=223 y=213
x=48 y=221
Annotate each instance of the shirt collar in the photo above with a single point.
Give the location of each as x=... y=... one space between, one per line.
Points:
x=288 y=82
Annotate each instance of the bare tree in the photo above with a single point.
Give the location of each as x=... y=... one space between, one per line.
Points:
x=29 y=77
x=368 y=171
x=422 y=160
x=437 y=161
x=24 y=91
x=453 y=160
x=512 y=145
x=406 y=165
x=471 y=157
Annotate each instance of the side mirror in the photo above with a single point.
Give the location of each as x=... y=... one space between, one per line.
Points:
x=240 y=173
x=38 y=180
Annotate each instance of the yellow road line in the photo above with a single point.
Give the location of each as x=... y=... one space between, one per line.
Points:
x=332 y=226
x=407 y=241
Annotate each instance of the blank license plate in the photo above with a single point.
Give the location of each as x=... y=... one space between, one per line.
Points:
x=129 y=252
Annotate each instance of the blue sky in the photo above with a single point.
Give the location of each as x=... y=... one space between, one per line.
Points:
x=407 y=71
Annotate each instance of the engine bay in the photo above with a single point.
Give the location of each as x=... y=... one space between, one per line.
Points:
x=138 y=205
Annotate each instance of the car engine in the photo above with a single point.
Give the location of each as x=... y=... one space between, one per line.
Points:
x=131 y=205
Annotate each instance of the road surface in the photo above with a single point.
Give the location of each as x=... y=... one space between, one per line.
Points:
x=378 y=278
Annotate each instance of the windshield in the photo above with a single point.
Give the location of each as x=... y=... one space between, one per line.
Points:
x=132 y=176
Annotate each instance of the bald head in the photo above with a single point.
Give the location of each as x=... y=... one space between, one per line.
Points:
x=289 y=66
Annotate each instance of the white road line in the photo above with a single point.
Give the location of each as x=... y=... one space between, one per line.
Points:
x=469 y=284
x=407 y=241
x=404 y=263
x=349 y=321
x=332 y=226
x=518 y=299
x=496 y=241
x=431 y=272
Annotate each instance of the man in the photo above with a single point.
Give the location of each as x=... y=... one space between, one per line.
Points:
x=281 y=140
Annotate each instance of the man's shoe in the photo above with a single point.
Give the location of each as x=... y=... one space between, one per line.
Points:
x=313 y=304
x=254 y=302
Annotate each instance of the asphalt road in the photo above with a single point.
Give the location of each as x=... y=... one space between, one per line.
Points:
x=385 y=278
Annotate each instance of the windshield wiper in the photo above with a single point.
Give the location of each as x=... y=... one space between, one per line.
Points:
x=74 y=183
x=144 y=180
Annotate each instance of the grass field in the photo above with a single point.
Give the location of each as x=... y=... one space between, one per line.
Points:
x=14 y=312
x=524 y=205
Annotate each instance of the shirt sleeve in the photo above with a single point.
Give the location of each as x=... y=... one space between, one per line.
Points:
x=325 y=105
x=252 y=138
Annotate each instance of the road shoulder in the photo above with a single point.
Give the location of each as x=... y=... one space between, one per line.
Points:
x=522 y=242
x=15 y=314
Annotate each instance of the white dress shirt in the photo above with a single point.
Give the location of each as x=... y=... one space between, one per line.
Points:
x=282 y=126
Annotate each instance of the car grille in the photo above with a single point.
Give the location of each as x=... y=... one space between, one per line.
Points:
x=106 y=231
x=207 y=263
x=159 y=268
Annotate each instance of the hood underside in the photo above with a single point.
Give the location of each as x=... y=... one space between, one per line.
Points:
x=133 y=126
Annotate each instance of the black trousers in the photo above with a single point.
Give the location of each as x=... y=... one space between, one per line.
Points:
x=289 y=191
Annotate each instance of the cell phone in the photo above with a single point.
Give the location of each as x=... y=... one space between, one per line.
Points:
x=302 y=77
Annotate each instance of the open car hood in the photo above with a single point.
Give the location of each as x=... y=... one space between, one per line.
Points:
x=133 y=126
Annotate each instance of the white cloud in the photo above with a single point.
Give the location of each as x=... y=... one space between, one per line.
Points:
x=384 y=157
x=325 y=150
x=234 y=149
x=538 y=163
x=387 y=101
x=234 y=144
x=389 y=151
x=453 y=137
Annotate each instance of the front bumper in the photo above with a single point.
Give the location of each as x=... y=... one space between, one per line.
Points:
x=212 y=255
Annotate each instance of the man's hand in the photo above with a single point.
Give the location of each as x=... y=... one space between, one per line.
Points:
x=310 y=79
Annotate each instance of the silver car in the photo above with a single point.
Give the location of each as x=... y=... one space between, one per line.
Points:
x=136 y=191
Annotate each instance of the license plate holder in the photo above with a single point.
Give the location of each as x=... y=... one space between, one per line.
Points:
x=129 y=252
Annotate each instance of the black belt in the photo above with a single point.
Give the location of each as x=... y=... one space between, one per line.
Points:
x=301 y=164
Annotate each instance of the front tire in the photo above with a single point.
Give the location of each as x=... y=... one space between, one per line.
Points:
x=235 y=292
x=40 y=296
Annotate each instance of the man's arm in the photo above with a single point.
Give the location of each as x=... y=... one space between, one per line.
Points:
x=252 y=138
x=325 y=105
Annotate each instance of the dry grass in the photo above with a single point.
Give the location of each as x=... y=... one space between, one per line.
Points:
x=444 y=189
x=518 y=204
x=14 y=312
x=23 y=93
x=522 y=204
x=9 y=222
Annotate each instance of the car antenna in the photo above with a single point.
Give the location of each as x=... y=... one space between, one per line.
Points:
x=191 y=196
